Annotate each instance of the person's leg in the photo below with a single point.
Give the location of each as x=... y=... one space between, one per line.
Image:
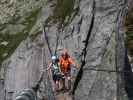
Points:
x=54 y=81
x=63 y=82
x=53 y=85
x=58 y=77
x=57 y=85
x=59 y=81
x=69 y=82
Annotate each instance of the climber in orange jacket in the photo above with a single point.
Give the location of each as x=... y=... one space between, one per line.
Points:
x=65 y=62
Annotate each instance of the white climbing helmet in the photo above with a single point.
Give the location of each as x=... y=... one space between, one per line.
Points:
x=54 y=58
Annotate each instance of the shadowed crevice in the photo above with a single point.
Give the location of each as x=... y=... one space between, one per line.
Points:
x=84 y=52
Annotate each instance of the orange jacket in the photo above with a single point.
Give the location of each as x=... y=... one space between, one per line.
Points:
x=65 y=64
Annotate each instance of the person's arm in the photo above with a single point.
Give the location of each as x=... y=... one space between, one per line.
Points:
x=49 y=70
x=59 y=68
x=72 y=62
x=60 y=62
x=78 y=66
x=49 y=66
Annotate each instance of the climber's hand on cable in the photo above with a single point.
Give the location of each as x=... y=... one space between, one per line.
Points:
x=78 y=66
x=62 y=74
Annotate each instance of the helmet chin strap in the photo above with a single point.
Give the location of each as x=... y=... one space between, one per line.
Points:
x=53 y=62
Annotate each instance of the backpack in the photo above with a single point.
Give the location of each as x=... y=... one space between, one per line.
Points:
x=55 y=69
x=65 y=64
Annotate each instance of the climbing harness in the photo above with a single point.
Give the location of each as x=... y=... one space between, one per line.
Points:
x=55 y=69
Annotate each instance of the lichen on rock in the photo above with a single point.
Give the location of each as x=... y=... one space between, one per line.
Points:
x=16 y=21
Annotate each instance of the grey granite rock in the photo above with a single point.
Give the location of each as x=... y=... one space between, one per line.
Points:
x=93 y=38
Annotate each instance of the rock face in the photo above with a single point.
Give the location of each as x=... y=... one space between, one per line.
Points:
x=102 y=85
x=93 y=35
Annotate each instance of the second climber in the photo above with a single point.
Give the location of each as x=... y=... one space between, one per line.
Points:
x=66 y=63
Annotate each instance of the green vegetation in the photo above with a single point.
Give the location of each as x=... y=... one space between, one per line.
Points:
x=14 y=39
x=19 y=26
x=129 y=31
x=13 y=42
x=129 y=36
x=31 y=20
x=62 y=12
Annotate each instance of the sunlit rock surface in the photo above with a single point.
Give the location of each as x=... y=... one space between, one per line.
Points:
x=90 y=35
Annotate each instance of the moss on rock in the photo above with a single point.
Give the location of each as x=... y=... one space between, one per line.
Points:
x=16 y=24
x=129 y=31
x=15 y=36
x=62 y=12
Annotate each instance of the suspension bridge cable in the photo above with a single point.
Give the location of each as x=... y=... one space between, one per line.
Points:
x=47 y=41
x=57 y=38
x=44 y=61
